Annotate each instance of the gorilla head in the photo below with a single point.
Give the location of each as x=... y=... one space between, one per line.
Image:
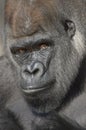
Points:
x=45 y=45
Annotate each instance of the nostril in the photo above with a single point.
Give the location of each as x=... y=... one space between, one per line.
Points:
x=26 y=72
x=36 y=71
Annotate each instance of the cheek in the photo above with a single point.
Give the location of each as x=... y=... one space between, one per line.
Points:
x=66 y=67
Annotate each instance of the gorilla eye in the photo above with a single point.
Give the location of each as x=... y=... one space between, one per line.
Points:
x=44 y=46
x=21 y=50
x=15 y=50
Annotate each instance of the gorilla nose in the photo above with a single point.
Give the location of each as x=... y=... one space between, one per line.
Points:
x=33 y=70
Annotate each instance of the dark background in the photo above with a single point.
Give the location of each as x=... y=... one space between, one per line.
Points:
x=1 y=24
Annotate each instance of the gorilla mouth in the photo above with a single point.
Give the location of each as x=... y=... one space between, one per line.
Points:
x=31 y=89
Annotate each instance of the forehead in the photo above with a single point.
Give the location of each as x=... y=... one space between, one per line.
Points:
x=26 y=16
x=13 y=3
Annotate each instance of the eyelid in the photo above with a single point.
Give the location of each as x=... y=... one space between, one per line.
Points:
x=48 y=42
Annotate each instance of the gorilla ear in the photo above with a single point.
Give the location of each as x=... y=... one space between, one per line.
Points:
x=70 y=28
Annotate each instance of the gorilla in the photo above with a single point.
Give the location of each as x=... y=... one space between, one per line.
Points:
x=43 y=70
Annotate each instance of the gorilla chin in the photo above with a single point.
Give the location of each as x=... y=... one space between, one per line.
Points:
x=38 y=100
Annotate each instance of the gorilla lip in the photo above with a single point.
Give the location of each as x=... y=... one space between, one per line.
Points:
x=32 y=90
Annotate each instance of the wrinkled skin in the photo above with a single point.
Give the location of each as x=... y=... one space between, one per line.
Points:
x=45 y=48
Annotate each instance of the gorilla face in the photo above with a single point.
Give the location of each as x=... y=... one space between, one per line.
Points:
x=42 y=44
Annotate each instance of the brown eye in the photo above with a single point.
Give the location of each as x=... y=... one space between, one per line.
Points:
x=30 y=49
x=21 y=50
x=16 y=51
x=43 y=46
